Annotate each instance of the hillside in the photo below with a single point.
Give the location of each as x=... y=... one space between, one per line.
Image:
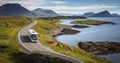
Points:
x=15 y=10
x=18 y=10
x=11 y=50
x=46 y=30
x=45 y=13
x=102 y=14
x=88 y=14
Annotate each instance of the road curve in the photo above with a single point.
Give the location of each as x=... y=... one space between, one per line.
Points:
x=38 y=47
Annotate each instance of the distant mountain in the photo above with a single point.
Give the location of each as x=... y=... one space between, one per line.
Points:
x=15 y=10
x=115 y=15
x=102 y=14
x=45 y=13
x=88 y=14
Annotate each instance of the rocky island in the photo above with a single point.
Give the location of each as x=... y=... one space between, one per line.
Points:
x=93 y=22
x=80 y=26
x=100 y=48
x=66 y=31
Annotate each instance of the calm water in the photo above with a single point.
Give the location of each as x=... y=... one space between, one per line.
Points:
x=113 y=57
x=106 y=32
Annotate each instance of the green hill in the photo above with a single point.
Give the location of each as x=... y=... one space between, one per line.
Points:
x=11 y=50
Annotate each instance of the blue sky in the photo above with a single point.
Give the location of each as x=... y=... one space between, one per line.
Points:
x=70 y=6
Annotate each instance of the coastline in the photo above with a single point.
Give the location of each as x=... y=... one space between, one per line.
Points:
x=69 y=28
x=62 y=31
x=50 y=41
x=110 y=49
x=59 y=32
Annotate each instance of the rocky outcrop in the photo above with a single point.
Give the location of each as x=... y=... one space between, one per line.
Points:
x=80 y=26
x=53 y=43
x=100 y=48
x=109 y=23
x=69 y=31
x=70 y=49
x=66 y=31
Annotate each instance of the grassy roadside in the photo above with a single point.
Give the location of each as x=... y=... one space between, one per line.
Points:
x=11 y=50
x=9 y=27
x=46 y=27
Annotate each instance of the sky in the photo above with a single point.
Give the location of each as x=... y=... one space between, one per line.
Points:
x=70 y=6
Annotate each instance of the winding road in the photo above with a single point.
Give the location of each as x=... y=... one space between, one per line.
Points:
x=38 y=47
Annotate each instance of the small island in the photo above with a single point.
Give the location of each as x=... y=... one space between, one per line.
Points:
x=69 y=31
x=100 y=48
x=66 y=31
x=93 y=22
x=80 y=26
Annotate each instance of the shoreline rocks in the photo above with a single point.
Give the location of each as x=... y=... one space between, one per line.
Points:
x=80 y=26
x=109 y=23
x=69 y=31
x=100 y=48
x=66 y=31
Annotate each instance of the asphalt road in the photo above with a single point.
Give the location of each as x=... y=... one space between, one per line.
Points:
x=38 y=47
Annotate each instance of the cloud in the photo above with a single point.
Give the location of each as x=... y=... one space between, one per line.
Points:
x=59 y=7
x=79 y=9
x=58 y=2
x=76 y=8
x=118 y=12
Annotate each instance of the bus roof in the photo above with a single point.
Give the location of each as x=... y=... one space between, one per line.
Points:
x=32 y=31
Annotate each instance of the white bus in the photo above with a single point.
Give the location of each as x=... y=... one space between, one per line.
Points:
x=33 y=35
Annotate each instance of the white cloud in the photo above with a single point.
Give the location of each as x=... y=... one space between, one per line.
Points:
x=93 y=7
x=32 y=4
x=71 y=12
x=58 y=2
x=118 y=12
x=78 y=9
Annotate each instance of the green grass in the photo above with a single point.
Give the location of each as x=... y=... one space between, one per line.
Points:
x=9 y=27
x=11 y=50
x=89 y=22
x=46 y=27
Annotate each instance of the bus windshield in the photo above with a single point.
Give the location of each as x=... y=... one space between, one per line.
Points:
x=34 y=36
